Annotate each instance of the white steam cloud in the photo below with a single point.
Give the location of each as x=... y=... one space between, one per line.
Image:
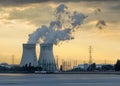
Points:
x=60 y=29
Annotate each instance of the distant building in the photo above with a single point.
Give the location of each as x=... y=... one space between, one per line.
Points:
x=86 y=66
x=82 y=66
x=4 y=64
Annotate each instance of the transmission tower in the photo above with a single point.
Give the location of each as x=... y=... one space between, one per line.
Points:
x=12 y=59
x=90 y=55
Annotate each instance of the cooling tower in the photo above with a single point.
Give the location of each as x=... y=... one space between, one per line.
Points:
x=46 y=59
x=29 y=55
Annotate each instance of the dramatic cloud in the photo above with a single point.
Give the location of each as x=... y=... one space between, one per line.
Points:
x=24 y=2
x=36 y=13
x=19 y=2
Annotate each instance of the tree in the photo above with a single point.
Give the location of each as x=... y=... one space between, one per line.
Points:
x=117 y=65
x=92 y=67
x=61 y=68
x=107 y=67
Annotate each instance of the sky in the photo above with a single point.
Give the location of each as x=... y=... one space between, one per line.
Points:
x=19 y=18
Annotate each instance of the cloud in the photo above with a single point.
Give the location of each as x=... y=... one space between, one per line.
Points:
x=35 y=15
x=24 y=2
x=41 y=13
x=116 y=7
x=19 y=2
x=100 y=24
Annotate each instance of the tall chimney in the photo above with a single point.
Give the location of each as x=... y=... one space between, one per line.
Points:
x=46 y=59
x=29 y=55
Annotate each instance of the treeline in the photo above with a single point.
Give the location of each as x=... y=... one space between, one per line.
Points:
x=18 y=69
x=32 y=69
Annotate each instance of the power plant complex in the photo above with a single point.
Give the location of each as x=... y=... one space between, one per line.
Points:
x=46 y=59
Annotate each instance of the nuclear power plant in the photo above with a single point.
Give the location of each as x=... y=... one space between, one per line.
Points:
x=29 y=57
x=49 y=35
x=46 y=59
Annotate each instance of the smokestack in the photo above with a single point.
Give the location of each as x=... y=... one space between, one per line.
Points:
x=46 y=59
x=29 y=55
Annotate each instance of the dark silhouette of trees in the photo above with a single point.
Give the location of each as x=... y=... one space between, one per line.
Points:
x=31 y=68
x=3 y=69
x=107 y=67
x=92 y=67
x=61 y=68
x=117 y=65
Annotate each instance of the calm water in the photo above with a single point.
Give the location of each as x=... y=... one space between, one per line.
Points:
x=59 y=80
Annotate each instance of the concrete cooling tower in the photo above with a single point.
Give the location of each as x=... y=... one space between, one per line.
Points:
x=29 y=55
x=46 y=59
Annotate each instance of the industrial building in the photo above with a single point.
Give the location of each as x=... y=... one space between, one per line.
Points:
x=46 y=59
x=29 y=57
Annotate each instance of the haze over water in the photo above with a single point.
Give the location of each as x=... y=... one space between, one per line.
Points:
x=59 y=80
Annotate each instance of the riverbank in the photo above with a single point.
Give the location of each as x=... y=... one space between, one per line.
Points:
x=90 y=72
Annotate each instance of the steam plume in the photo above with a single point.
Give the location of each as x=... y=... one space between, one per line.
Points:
x=60 y=29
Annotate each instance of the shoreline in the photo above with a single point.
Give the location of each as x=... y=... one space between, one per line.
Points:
x=116 y=73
